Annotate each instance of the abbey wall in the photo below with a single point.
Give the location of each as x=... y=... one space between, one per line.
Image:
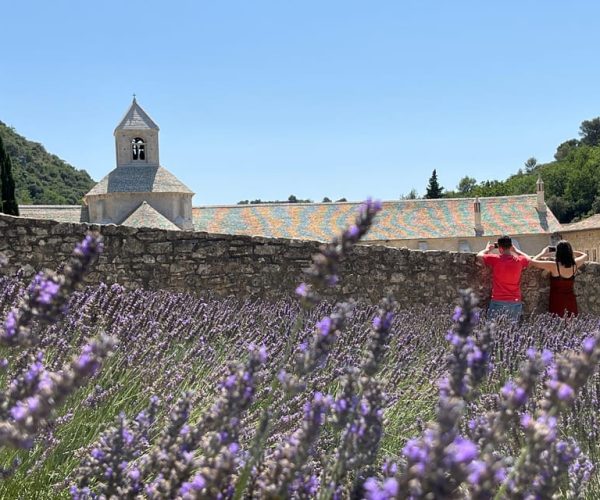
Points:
x=269 y=268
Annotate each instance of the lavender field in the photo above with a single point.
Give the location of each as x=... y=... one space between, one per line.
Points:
x=114 y=393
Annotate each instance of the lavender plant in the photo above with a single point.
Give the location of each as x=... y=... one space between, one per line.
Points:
x=282 y=467
x=35 y=392
x=445 y=464
x=358 y=412
x=285 y=463
x=172 y=463
x=273 y=431
x=48 y=294
x=110 y=471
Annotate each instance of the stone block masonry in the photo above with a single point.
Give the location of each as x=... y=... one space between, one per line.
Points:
x=269 y=268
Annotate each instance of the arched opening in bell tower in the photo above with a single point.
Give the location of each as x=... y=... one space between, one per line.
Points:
x=138 y=149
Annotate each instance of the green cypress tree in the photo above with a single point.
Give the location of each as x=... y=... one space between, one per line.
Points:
x=434 y=190
x=8 y=202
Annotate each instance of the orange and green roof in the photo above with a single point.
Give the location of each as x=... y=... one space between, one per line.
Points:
x=398 y=220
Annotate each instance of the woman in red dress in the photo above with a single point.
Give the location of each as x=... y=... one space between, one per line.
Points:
x=562 y=264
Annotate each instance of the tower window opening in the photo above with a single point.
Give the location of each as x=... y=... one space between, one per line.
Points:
x=138 y=149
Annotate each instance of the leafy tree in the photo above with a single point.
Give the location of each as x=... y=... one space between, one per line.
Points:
x=326 y=200
x=434 y=190
x=8 y=202
x=411 y=195
x=596 y=205
x=341 y=199
x=561 y=208
x=466 y=184
x=530 y=164
x=583 y=182
x=590 y=132
x=521 y=184
x=52 y=197
x=292 y=199
x=565 y=148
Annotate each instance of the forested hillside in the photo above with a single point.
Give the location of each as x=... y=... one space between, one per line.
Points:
x=42 y=178
x=571 y=182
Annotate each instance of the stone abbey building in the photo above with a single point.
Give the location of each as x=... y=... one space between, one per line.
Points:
x=139 y=192
x=139 y=189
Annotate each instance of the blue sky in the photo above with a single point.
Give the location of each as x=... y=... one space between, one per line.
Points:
x=263 y=99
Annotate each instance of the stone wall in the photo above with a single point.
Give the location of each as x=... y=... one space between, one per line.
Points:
x=246 y=266
x=529 y=243
x=585 y=240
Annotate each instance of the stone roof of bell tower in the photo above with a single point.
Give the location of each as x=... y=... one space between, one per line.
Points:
x=136 y=119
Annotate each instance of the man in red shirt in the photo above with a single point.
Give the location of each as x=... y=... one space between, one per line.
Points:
x=507 y=267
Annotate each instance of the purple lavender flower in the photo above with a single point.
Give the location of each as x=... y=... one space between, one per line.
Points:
x=516 y=395
x=10 y=325
x=324 y=326
x=90 y=247
x=197 y=484
x=589 y=344
x=302 y=290
x=457 y=313
x=387 y=491
x=47 y=291
x=353 y=232
x=19 y=412
x=463 y=450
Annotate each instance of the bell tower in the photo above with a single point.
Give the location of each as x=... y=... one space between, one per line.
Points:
x=139 y=192
x=136 y=138
x=541 y=204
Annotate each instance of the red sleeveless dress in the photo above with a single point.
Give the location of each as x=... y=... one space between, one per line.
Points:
x=562 y=295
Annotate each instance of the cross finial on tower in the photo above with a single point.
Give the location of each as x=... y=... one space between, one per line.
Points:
x=134 y=97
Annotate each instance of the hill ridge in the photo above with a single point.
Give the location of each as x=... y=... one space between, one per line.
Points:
x=43 y=178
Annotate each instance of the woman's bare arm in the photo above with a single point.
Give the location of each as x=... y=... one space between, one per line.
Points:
x=545 y=252
x=580 y=258
x=547 y=265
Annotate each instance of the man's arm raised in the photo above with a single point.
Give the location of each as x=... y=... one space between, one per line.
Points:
x=488 y=248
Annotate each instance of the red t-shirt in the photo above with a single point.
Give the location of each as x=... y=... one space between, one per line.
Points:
x=506 y=275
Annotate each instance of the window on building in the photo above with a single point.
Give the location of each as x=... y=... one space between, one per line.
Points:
x=587 y=252
x=594 y=256
x=138 y=149
x=423 y=245
x=463 y=246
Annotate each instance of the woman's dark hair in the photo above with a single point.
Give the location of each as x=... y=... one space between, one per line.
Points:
x=564 y=254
